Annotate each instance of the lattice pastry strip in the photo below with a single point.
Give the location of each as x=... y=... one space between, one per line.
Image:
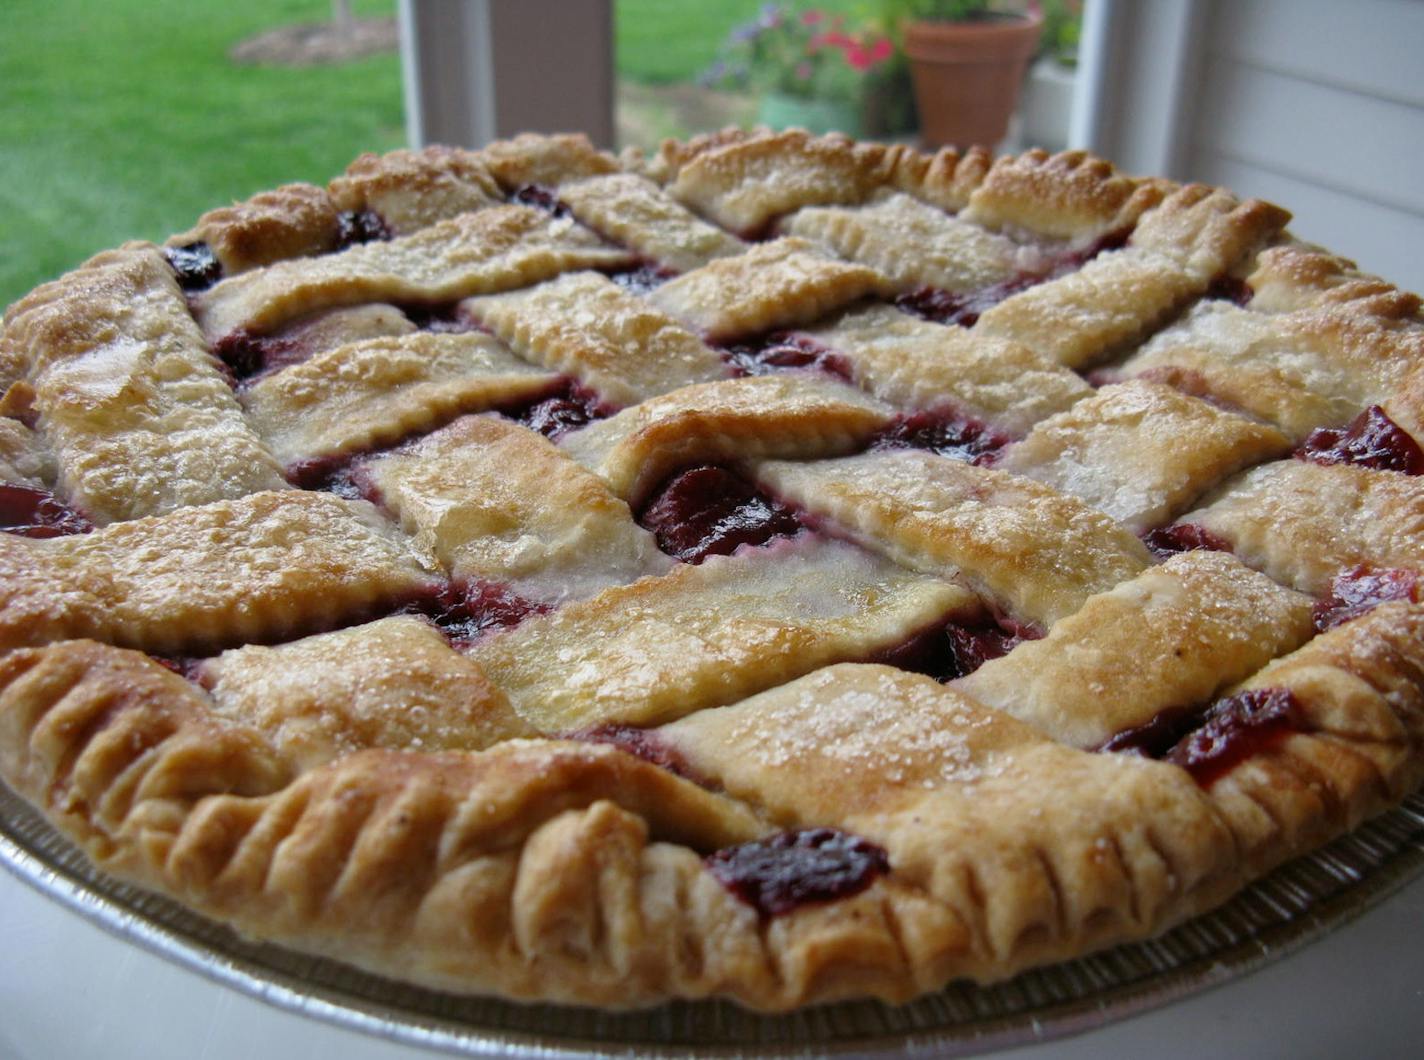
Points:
x=1303 y=523
x=409 y=190
x=394 y=683
x=773 y=285
x=1141 y=452
x=587 y=326
x=706 y=635
x=787 y=416
x=1173 y=255
x=24 y=459
x=293 y=221
x=1019 y=825
x=1171 y=637
x=365 y=394
x=497 y=502
x=474 y=253
x=260 y=568
x=914 y=244
x=638 y=214
x=916 y=364
x=745 y=183
x=135 y=410
x=1070 y=195
x=1035 y=553
x=1312 y=366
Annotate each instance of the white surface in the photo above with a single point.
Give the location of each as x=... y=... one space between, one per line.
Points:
x=70 y=990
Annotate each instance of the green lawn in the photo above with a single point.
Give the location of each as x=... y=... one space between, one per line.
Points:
x=125 y=120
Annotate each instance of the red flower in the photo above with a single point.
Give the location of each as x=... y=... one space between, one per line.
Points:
x=858 y=58
x=810 y=18
x=881 y=50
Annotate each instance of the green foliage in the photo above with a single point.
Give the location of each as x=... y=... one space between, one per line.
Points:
x=805 y=53
x=126 y=120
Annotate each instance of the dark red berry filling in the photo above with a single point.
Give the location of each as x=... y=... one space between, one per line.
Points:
x=542 y=198
x=1209 y=742
x=962 y=309
x=783 y=351
x=709 y=511
x=950 y=650
x=1230 y=289
x=1372 y=440
x=31 y=512
x=1167 y=541
x=360 y=226
x=187 y=667
x=1360 y=590
x=788 y=870
x=641 y=279
x=442 y=319
x=570 y=407
x=1235 y=728
x=944 y=433
x=645 y=744
x=466 y=611
x=196 y=265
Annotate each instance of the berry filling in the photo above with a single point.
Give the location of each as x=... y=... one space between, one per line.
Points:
x=570 y=407
x=188 y=667
x=709 y=511
x=944 y=433
x=196 y=265
x=542 y=198
x=645 y=744
x=1360 y=590
x=443 y=319
x=641 y=279
x=1209 y=742
x=1235 y=728
x=1231 y=289
x=466 y=610
x=965 y=307
x=1372 y=440
x=783 y=351
x=778 y=874
x=1167 y=541
x=359 y=226
x=949 y=650
x=31 y=512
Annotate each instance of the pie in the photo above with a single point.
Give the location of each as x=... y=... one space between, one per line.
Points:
x=778 y=568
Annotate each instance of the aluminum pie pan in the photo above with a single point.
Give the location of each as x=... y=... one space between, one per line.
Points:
x=1273 y=917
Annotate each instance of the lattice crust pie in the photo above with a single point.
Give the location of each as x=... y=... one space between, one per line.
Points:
x=782 y=568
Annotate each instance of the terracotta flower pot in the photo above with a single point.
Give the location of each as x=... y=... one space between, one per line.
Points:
x=967 y=76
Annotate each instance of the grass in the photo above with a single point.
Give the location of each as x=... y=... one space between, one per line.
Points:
x=125 y=120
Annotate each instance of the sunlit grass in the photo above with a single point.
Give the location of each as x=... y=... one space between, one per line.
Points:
x=125 y=120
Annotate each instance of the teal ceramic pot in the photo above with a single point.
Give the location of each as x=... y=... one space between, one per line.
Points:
x=813 y=115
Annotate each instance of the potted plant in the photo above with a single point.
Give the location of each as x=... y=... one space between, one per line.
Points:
x=808 y=69
x=967 y=58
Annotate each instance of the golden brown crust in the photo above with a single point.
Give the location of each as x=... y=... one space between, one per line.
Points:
x=408 y=190
x=294 y=221
x=404 y=793
x=1069 y=195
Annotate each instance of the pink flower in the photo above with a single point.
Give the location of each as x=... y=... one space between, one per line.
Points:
x=803 y=71
x=858 y=58
x=810 y=18
x=838 y=40
x=881 y=50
